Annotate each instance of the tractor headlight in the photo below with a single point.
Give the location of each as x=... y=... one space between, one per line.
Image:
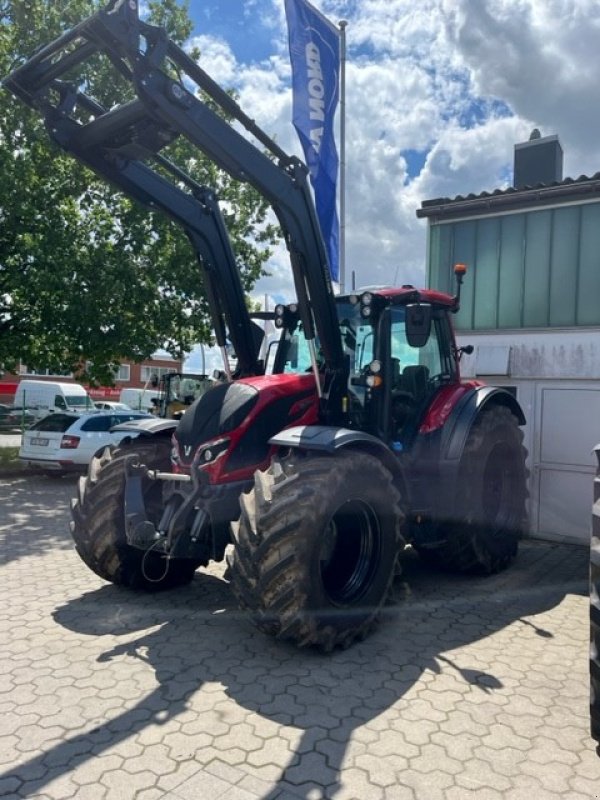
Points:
x=279 y=315
x=210 y=452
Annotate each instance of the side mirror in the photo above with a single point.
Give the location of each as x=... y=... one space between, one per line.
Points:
x=418 y=324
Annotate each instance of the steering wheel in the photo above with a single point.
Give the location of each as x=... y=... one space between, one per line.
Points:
x=402 y=396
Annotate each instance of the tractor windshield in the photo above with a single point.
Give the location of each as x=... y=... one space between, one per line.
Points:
x=298 y=355
x=357 y=336
x=358 y=340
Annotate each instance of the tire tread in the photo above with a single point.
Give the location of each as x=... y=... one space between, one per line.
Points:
x=268 y=565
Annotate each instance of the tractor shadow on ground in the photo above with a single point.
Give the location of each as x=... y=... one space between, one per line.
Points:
x=322 y=700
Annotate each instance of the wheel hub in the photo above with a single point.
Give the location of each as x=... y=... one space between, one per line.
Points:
x=350 y=551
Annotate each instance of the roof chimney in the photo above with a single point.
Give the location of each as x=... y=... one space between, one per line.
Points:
x=540 y=160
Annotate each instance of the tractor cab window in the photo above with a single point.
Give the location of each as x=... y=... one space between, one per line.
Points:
x=190 y=389
x=358 y=340
x=297 y=354
x=415 y=372
x=288 y=352
x=415 y=369
x=357 y=337
x=358 y=344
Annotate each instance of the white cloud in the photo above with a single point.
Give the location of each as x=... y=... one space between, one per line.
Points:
x=203 y=360
x=217 y=58
x=541 y=57
x=458 y=81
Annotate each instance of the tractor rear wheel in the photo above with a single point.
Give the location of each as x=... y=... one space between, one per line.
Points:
x=490 y=512
x=98 y=520
x=595 y=637
x=316 y=547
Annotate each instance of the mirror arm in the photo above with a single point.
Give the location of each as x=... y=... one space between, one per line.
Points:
x=461 y=351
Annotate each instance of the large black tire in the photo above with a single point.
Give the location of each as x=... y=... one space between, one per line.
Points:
x=490 y=514
x=595 y=622
x=316 y=547
x=98 y=520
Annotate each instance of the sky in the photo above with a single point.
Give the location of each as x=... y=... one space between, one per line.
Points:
x=437 y=95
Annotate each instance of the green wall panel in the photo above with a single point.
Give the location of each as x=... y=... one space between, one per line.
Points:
x=529 y=269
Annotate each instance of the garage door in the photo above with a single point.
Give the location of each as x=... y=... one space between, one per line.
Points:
x=568 y=428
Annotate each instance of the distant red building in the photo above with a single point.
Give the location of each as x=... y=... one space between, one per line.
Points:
x=129 y=375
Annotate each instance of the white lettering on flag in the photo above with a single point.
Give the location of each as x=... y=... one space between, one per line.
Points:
x=315 y=59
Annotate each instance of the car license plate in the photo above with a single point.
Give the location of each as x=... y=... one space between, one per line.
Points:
x=39 y=442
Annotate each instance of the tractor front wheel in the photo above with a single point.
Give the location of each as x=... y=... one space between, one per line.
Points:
x=316 y=547
x=98 y=520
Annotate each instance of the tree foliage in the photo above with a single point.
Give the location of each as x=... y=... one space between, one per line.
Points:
x=86 y=274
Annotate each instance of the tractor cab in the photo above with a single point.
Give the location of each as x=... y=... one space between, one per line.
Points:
x=401 y=351
x=179 y=391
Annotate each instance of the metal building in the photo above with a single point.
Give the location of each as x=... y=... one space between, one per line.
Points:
x=531 y=308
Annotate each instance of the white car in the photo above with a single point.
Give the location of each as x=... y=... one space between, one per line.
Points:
x=67 y=442
x=111 y=405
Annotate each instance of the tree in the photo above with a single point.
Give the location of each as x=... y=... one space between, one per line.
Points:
x=87 y=276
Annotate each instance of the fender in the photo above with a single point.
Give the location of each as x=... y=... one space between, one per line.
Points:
x=330 y=439
x=453 y=439
x=467 y=410
x=148 y=427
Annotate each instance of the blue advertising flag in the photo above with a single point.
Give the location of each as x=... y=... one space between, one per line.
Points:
x=315 y=58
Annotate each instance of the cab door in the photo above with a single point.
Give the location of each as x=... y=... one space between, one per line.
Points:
x=415 y=374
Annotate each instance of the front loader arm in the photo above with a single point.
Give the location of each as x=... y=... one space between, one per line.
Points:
x=168 y=106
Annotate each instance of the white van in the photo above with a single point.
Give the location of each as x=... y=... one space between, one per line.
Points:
x=141 y=399
x=45 y=397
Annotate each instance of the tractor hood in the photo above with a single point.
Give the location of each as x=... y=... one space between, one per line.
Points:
x=267 y=402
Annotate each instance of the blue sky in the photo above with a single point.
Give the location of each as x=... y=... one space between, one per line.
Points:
x=240 y=24
x=438 y=93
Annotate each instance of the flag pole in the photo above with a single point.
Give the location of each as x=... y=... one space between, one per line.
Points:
x=343 y=24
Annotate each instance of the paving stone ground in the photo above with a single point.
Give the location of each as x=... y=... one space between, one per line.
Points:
x=471 y=687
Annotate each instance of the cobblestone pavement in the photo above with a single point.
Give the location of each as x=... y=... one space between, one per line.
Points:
x=471 y=688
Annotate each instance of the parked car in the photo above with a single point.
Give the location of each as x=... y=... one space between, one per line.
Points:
x=111 y=405
x=6 y=420
x=44 y=397
x=12 y=418
x=66 y=442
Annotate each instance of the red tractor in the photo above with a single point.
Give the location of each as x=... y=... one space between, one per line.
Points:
x=362 y=441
